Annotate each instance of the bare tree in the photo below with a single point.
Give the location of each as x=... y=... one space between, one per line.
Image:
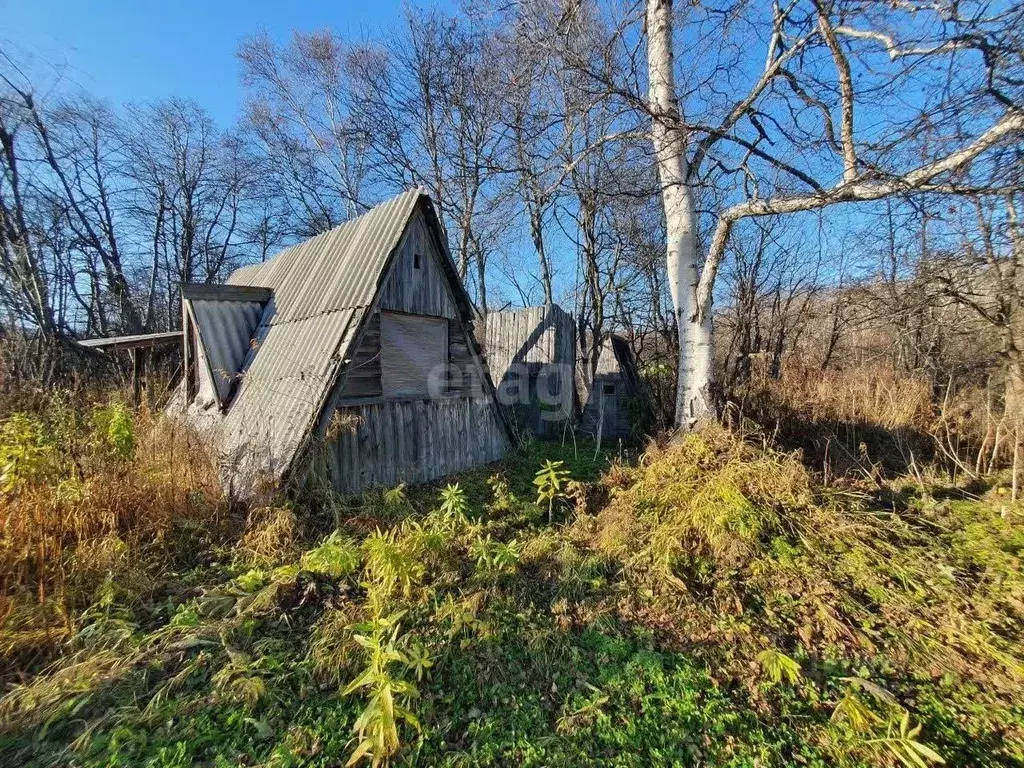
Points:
x=771 y=285
x=105 y=212
x=985 y=274
x=24 y=284
x=535 y=117
x=300 y=113
x=431 y=100
x=192 y=191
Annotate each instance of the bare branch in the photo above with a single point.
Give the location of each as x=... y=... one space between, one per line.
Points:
x=845 y=92
x=861 y=190
x=893 y=48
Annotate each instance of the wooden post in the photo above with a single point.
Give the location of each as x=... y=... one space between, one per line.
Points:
x=187 y=362
x=136 y=377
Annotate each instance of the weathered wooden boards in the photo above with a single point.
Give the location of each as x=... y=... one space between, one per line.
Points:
x=381 y=440
x=387 y=442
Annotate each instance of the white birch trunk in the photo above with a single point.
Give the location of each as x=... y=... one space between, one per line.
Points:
x=693 y=398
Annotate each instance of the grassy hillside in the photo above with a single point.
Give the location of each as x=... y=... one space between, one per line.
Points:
x=711 y=603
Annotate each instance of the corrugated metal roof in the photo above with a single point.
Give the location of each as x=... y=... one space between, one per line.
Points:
x=281 y=392
x=339 y=269
x=321 y=288
x=225 y=330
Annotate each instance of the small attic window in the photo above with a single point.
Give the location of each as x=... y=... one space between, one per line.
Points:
x=608 y=389
x=417 y=260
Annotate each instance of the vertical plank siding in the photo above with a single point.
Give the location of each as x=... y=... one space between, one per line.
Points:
x=617 y=421
x=393 y=440
x=616 y=366
x=412 y=441
x=464 y=377
x=530 y=335
x=519 y=344
x=421 y=290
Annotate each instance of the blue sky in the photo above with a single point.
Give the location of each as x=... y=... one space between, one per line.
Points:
x=141 y=51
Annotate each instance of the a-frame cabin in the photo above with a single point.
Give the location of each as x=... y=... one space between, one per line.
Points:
x=355 y=346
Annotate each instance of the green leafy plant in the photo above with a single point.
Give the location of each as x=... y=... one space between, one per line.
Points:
x=390 y=503
x=388 y=696
x=503 y=498
x=115 y=429
x=778 y=667
x=26 y=456
x=901 y=742
x=252 y=580
x=453 y=501
x=392 y=562
x=863 y=727
x=337 y=556
x=495 y=556
x=551 y=481
x=395 y=497
x=419 y=660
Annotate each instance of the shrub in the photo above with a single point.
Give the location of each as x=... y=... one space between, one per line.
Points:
x=115 y=429
x=26 y=456
x=712 y=498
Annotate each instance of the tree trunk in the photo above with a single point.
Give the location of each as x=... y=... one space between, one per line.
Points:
x=537 y=232
x=693 y=389
x=1013 y=393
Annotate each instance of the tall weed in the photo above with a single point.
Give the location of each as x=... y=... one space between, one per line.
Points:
x=93 y=490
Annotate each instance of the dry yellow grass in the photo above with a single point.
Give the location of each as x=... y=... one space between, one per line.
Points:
x=93 y=492
x=712 y=528
x=875 y=394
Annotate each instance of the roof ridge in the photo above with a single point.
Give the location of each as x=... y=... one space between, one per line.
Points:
x=362 y=216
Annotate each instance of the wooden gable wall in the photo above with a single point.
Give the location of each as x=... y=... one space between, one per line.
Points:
x=418 y=290
x=382 y=441
x=416 y=285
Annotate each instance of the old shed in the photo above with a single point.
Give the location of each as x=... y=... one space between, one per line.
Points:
x=613 y=403
x=355 y=348
x=544 y=381
x=531 y=356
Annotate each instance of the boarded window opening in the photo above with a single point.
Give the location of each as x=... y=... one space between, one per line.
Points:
x=412 y=348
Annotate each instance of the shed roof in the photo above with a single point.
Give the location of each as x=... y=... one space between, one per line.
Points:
x=133 y=342
x=321 y=288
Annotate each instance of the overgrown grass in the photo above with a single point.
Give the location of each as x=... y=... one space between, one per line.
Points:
x=95 y=495
x=849 y=420
x=708 y=603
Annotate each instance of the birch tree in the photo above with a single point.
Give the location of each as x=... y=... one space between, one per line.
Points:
x=817 y=54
